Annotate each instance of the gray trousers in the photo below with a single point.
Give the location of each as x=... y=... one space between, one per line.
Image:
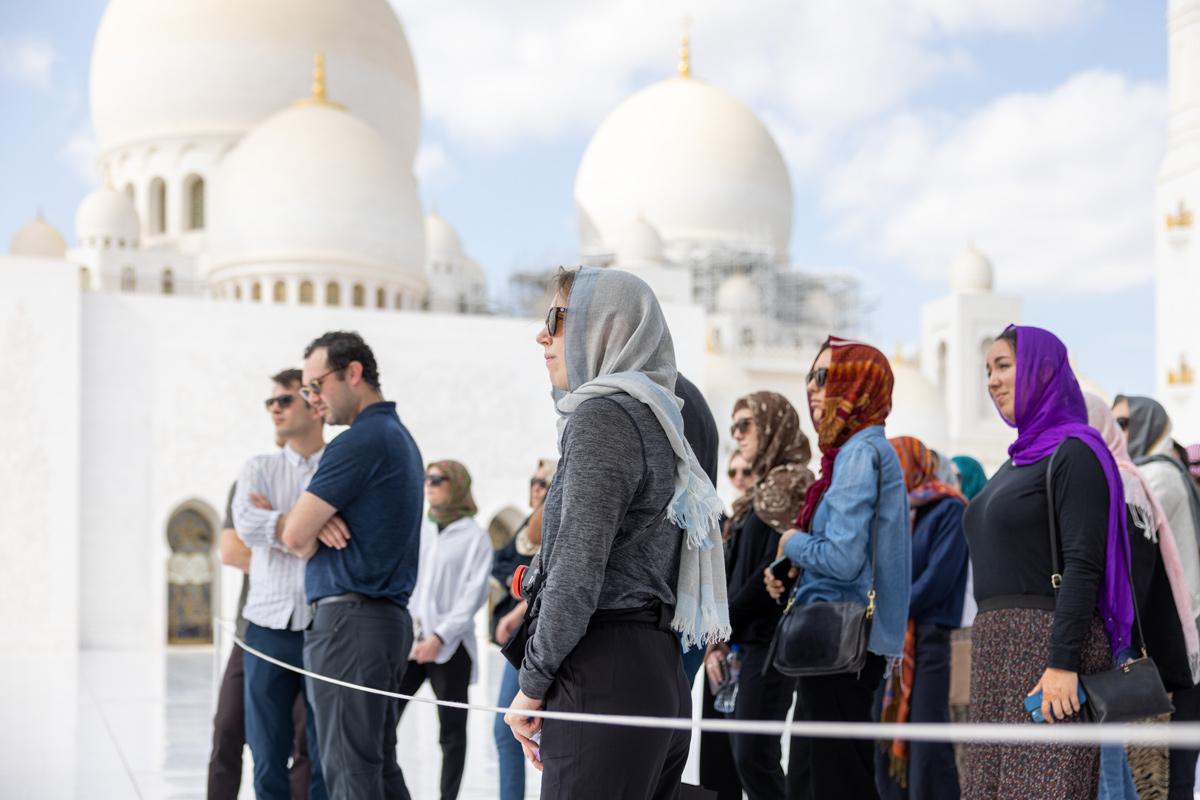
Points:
x=367 y=643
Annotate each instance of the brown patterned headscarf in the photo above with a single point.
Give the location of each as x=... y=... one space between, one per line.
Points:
x=781 y=463
x=459 y=503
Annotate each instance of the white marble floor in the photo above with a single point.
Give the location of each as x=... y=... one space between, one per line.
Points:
x=138 y=725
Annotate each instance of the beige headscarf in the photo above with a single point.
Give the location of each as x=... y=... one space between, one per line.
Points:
x=459 y=503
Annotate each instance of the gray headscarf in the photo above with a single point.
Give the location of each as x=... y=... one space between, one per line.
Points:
x=617 y=341
x=1148 y=425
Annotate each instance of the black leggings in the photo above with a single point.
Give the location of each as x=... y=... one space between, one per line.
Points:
x=450 y=682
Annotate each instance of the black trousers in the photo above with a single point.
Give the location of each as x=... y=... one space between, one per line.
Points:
x=836 y=767
x=366 y=643
x=229 y=737
x=1183 y=762
x=760 y=696
x=932 y=773
x=450 y=682
x=718 y=772
x=618 y=667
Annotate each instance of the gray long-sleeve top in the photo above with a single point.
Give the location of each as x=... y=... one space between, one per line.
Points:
x=616 y=475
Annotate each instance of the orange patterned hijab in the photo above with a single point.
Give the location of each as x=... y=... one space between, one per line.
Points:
x=919 y=466
x=858 y=392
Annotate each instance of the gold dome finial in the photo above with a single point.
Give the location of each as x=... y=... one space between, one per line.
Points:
x=319 y=97
x=685 y=51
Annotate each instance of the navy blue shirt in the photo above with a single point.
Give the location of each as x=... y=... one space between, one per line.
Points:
x=939 y=564
x=373 y=475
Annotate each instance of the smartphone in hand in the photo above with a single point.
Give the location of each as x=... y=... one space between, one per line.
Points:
x=1033 y=704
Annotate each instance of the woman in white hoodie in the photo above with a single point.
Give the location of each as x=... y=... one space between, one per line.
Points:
x=452 y=585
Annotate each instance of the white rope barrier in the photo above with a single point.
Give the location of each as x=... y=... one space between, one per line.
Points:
x=1179 y=734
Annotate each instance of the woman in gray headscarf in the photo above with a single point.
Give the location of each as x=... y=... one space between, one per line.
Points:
x=1148 y=434
x=631 y=550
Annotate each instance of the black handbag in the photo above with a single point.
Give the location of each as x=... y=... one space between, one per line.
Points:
x=1132 y=691
x=827 y=638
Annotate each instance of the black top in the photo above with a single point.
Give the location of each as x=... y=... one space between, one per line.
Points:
x=1009 y=538
x=505 y=560
x=1160 y=620
x=699 y=427
x=753 y=614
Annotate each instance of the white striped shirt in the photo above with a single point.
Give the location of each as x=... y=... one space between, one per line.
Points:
x=276 y=576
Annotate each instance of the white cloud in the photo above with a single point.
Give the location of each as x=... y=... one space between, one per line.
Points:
x=494 y=74
x=1055 y=187
x=27 y=60
x=81 y=151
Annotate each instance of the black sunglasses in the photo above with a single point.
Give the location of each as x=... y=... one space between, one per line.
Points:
x=1123 y=423
x=540 y=483
x=746 y=473
x=284 y=400
x=436 y=480
x=552 y=317
x=741 y=426
x=819 y=376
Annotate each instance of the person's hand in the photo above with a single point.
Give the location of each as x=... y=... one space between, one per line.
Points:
x=714 y=662
x=775 y=587
x=258 y=501
x=524 y=727
x=783 y=540
x=335 y=533
x=1060 y=693
x=507 y=625
x=426 y=650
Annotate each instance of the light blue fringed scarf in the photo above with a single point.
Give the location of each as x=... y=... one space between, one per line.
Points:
x=617 y=340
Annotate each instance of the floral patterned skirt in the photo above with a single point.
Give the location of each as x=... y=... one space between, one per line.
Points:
x=1009 y=650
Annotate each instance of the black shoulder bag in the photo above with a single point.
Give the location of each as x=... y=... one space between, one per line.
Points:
x=1132 y=691
x=827 y=638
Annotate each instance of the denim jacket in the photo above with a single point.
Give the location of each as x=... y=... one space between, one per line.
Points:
x=836 y=555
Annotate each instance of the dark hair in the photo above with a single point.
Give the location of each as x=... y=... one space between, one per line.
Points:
x=288 y=378
x=1009 y=335
x=342 y=347
x=563 y=280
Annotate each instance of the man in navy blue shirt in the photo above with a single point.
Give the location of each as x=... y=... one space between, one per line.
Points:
x=358 y=524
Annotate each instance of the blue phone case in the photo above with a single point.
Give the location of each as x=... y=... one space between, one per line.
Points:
x=1033 y=704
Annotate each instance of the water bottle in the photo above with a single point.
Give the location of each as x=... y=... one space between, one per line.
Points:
x=726 y=697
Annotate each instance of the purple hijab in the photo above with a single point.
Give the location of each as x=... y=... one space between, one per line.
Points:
x=1049 y=407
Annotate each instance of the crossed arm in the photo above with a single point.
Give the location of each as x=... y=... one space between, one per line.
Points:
x=311 y=522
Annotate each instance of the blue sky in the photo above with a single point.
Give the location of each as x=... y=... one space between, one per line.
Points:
x=911 y=127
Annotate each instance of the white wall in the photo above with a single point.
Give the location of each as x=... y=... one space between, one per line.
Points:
x=39 y=470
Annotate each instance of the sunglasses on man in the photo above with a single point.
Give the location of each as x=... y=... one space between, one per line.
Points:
x=283 y=401
x=313 y=389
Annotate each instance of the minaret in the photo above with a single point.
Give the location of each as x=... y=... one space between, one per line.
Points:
x=1176 y=249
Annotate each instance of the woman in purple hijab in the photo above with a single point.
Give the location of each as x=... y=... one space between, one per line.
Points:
x=1034 y=632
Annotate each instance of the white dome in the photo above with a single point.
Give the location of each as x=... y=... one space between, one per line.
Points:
x=315 y=184
x=917 y=407
x=195 y=67
x=738 y=295
x=38 y=239
x=695 y=161
x=971 y=272
x=107 y=214
x=441 y=240
x=639 y=243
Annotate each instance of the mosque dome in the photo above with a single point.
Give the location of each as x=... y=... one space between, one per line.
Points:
x=639 y=243
x=918 y=408
x=441 y=240
x=219 y=67
x=107 y=214
x=738 y=295
x=38 y=239
x=691 y=158
x=971 y=272
x=314 y=185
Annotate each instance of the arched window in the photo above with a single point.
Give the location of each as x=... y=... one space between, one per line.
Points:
x=158 y=206
x=237 y=291
x=333 y=294
x=380 y=298
x=399 y=300
x=85 y=279
x=359 y=296
x=195 y=201
x=306 y=293
x=256 y=292
x=168 y=281
x=128 y=280
x=280 y=292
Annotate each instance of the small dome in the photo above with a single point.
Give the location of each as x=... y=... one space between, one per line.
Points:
x=107 y=213
x=316 y=184
x=441 y=240
x=738 y=295
x=639 y=243
x=971 y=272
x=917 y=406
x=38 y=239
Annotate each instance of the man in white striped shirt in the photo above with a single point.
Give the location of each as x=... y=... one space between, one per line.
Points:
x=276 y=611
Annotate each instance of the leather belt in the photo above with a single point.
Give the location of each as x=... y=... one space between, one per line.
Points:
x=348 y=597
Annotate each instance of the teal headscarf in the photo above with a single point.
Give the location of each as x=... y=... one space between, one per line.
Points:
x=971 y=476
